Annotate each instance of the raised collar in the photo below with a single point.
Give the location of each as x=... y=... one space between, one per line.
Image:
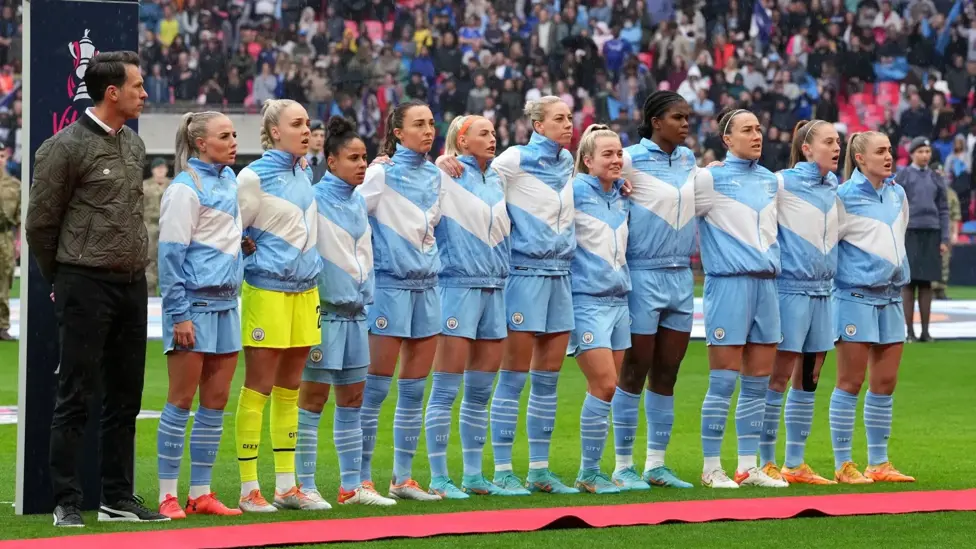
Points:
x=472 y=162
x=811 y=170
x=655 y=148
x=733 y=160
x=865 y=186
x=408 y=157
x=341 y=188
x=594 y=183
x=546 y=145
x=281 y=158
x=205 y=168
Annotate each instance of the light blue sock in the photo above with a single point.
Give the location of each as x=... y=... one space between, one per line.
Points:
x=377 y=387
x=407 y=423
x=624 y=406
x=770 y=428
x=347 y=432
x=473 y=421
x=659 y=413
x=593 y=431
x=169 y=441
x=208 y=426
x=715 y=410
x=437 y=421
x=540 y=418
x=843 y=409
x=799 y=419
x=307 y=448
x=504 y=416
x=877 y=426
x=749 y=411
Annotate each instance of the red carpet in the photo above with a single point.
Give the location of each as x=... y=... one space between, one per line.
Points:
x=518 y=520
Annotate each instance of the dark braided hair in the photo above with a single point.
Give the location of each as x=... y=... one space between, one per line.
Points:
x=655 y=106
x=395 y=121
x=338 y=132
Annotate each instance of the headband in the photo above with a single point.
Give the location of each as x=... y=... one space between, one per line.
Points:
x=809 y=127
x=725 y=131
x=466 y=125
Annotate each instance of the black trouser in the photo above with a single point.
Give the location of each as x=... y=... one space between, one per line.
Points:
x=102 y=324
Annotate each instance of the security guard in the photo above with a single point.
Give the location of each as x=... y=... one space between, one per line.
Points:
x=9 y=221
x=153 y=189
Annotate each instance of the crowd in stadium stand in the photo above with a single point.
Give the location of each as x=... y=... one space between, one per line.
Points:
x=906 y=67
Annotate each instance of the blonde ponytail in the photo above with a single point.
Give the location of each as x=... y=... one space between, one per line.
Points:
x=451 y=147
x=193 y=126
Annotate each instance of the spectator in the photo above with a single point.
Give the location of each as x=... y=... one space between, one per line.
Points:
x=169 y=26
x=917 y=120
x=8 y=30
x=477 y=95
x=265 y=85
x=235 y=92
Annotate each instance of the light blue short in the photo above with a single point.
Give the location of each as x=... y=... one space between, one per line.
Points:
x=215 y=332
x=662 y=298
x=740 y=310
x=411 y=314
x=473 y=313
x=807 y=323
x=540 y=304
x=868 y=323
x=600 y=326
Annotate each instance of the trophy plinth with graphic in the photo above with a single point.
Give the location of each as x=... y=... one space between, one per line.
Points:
x=61 y=37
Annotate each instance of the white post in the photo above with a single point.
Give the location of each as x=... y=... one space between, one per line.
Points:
x=25 y=177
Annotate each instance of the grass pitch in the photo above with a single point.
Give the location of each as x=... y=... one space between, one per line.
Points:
x=932 y=438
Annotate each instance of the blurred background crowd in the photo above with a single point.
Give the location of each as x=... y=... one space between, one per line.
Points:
x=906 y=67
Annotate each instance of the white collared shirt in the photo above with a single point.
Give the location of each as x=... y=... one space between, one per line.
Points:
x=103 y=125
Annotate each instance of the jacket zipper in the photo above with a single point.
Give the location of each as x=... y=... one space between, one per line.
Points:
x=891 y=230
x=616 y=247
x=423 y=245
x=677 y=218
x=491 y=212
x=355 y=254
x=825 y=240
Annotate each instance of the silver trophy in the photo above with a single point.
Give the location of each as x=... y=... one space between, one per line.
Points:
x=82 y=51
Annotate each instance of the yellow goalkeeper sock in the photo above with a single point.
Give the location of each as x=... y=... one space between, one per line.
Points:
x=284 y=435
x=250 y=413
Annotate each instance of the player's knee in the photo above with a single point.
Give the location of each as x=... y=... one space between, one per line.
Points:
x=349 y=396
x=884 y=385
x=663 y=380
x=850 y=383
x=184 y=402
x=215 y=400
x=603 y=388
x=631 y=378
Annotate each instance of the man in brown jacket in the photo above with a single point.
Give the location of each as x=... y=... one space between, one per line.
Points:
x=85 y=230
